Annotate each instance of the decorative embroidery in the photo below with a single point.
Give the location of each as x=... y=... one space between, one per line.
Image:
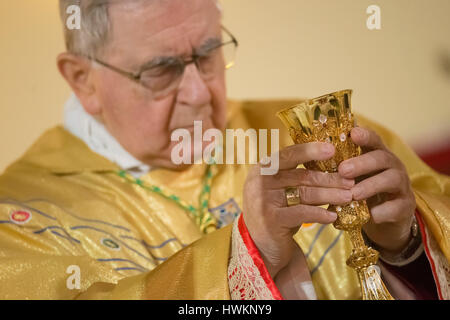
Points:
x=244 y=279
x=24 y=204
x=20 y=216
x=110 y=244
x=137 y=266
x=439 y=264
x=226 y=213
x=22 y=213
x=117 y=241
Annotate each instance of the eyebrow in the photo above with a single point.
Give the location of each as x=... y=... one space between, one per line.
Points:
x=209 y=44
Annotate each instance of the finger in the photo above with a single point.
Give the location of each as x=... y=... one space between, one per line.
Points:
x=294 y=217
x=367 y=163
x=367 y=138
x=378 y=199
x=290 y=157
x=391 y=211
x=310 y=178
x=320 y=196
x=389 y=181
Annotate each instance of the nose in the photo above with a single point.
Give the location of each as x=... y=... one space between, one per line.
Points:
x=193 y=90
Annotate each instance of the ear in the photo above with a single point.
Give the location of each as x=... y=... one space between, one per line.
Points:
x=78 y=73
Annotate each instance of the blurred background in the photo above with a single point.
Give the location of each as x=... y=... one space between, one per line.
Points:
x=400 y=74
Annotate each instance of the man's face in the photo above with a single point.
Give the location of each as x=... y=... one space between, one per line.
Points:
x=141 y=32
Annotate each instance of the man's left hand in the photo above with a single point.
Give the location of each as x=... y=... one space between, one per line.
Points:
x=386 y=188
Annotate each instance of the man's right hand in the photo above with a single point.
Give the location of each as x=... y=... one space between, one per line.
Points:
x=270 y=222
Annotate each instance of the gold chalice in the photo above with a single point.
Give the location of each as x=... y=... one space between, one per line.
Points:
x=329 y=119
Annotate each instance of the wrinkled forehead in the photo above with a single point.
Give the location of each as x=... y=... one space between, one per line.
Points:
x=163 y=26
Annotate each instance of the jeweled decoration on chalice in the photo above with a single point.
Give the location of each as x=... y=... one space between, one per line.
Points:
x=329 y=118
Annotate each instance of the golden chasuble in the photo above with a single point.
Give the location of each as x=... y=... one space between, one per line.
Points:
x=62 y=205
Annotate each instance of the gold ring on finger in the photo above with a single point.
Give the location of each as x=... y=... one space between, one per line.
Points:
x=292 y=196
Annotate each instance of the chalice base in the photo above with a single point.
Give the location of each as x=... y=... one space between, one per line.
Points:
x=372 y=287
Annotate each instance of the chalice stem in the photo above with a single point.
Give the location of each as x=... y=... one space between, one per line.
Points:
x=363 y=260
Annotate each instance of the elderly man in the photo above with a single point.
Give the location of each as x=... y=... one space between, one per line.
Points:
x=97 y=208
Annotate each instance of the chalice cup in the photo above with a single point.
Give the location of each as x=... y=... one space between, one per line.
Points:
x=329 y=118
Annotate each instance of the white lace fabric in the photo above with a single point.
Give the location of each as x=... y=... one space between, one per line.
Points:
x=244 y=279
x=441 y=265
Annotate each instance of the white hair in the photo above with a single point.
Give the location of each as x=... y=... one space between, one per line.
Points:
x=96 y=25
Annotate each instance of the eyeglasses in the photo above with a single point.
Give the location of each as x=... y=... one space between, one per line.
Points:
x=163 y=75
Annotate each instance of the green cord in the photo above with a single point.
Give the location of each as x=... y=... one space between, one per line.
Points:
x=201 y=215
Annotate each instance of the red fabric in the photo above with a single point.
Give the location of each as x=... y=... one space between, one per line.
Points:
x=438 y=159
x=425 y=287
x=258 y=261
x=427 y=251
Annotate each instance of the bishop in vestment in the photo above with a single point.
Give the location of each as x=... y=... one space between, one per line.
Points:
x=95 y=209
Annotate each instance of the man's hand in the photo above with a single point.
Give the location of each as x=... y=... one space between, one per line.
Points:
x=270 y=222
x=387 y=190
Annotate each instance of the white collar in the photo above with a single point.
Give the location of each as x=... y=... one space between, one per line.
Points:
x=84 y=126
